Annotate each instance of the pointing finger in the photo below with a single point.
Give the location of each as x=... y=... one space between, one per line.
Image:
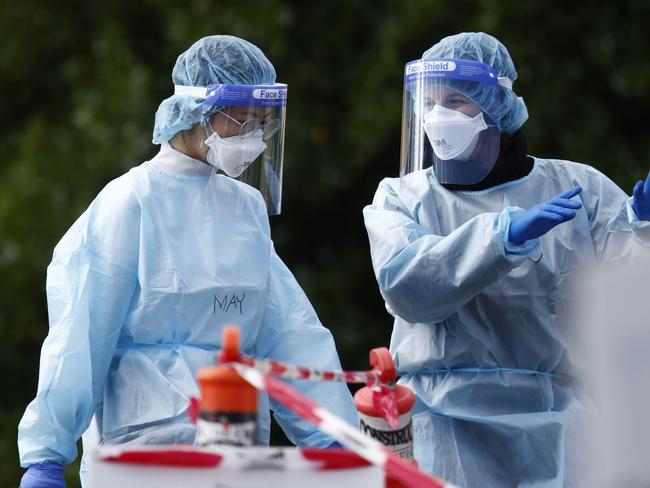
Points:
x=571 y=193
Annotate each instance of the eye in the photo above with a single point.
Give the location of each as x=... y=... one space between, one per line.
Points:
x=457 y=102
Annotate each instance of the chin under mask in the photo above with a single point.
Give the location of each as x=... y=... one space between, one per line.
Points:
x=233 y=155
x=452 y=134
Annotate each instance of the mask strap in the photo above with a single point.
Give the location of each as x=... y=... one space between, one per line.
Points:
x=207 y=126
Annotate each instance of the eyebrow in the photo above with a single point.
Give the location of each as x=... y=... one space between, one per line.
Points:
x=447 y=97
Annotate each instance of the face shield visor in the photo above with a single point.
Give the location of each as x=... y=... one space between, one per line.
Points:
x=245 y=134
x=446 y=121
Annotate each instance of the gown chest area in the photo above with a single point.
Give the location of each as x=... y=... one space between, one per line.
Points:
x=202 y=264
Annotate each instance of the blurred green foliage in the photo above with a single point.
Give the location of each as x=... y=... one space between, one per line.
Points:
x=81 y=81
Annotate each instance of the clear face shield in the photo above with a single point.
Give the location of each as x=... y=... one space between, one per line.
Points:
x=446 y=123
x=245 y=136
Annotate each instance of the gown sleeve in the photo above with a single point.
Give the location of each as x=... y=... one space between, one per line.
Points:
x=291 y=332
x=90 y=282
x=615 y=227
x=426 y=278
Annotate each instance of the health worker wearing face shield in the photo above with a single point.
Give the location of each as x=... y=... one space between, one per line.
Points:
x=142 y=284
x=476 y=248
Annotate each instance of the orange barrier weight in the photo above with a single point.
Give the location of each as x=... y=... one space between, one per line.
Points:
x=228 y=403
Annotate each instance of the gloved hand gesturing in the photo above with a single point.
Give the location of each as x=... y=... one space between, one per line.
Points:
x=43 y=475
x=641 y=199
x=539 y=219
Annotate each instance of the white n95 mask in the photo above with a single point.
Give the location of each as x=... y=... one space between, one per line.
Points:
x=233 y=155
x=452 y=134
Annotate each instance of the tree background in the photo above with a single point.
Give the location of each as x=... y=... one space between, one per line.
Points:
x=80 y=83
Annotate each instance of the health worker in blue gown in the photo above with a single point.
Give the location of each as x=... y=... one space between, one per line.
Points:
x=141 y=285
x=476 y=248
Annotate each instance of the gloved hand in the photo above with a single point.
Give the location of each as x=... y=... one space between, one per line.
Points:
x=539 y=219
x=641 y=199
x=43 y=475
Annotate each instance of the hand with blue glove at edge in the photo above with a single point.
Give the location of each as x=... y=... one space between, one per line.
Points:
x=539 y=219
x=43 y=475
x=641 y=199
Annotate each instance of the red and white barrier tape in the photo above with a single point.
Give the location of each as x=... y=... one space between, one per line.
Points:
x=277 y=368
x=383 y=398
x=348 y=436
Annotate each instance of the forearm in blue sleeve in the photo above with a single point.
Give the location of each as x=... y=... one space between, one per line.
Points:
x=87 y=302
x=424 y=277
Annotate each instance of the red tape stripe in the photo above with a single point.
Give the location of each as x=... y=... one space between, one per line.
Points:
x=334 y=458
x=168 y=458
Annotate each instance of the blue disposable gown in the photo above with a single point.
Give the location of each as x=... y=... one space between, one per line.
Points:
x=479 y=331
x=139 y=290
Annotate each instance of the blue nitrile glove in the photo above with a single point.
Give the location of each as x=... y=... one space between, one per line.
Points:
x=336 y=444
x=641 y=199
x=43 y=475
x=539 y=219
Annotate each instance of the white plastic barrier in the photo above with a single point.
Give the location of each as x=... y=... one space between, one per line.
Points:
x=226 y=467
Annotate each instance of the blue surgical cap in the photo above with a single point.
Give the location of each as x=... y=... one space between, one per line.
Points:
x=510 y=111
x=211 y=60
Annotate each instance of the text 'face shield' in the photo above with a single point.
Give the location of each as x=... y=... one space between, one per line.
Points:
x=446 y=119
x=245 y=134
